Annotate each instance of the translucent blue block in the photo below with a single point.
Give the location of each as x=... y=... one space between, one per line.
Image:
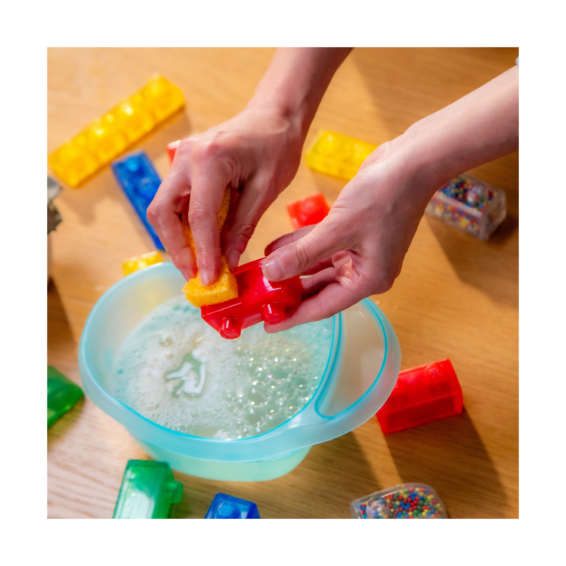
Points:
x=148 y=491
x=139 y=180
x=228 y=507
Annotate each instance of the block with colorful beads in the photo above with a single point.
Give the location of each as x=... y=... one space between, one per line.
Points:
x=469 y=204
x=226 y=286
x=337 y=155
x=116 y=130
x=141 y=262
x=404 y=501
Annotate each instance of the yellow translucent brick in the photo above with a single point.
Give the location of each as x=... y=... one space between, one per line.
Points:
x=226 y=286
x=336 y=155
x=133 y=118
x=108 y=136
x=104 y=139
x=73 y=162
x=141 y=261
x=162 y=97
x=223 y=289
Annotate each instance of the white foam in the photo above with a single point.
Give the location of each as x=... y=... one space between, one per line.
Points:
x=177 y=371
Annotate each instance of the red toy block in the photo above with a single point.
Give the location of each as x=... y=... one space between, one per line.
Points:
x=172 y=148
x=259 y=299
x=307 y=211
x=422 y=395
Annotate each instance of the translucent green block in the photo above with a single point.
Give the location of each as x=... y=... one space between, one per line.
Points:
x=148 y=491
x=62 y=394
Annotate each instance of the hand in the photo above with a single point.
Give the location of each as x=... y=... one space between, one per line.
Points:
x=257 y=154
x=358 y=249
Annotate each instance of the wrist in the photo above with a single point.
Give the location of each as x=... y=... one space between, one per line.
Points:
x=284 y=107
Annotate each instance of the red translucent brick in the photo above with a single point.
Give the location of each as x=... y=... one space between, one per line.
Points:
x=307 y=211
x=171 y=149
x=258 y=300
x=422 y=395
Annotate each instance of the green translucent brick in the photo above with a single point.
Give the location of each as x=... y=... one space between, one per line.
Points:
x=62 y=394
x=148 y=491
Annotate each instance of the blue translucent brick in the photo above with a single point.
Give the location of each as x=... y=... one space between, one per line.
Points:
x=228 y=507
x=139 y=180
x=148 y=491
x=62 y=394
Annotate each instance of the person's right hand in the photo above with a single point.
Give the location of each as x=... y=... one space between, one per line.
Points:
x=257 y=153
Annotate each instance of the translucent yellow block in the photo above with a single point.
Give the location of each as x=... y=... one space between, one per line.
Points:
x=223 y=289
x=111 y=134
x=336 y=155
x=141 y=261
x=226 y=286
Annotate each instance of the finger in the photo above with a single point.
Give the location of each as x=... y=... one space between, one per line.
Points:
x=317 y=282
x=163 y=214
x=242 y=221
x=288 y=238
x=333 y=299
x=208 y=183
x=291 y=237
x=297 y=257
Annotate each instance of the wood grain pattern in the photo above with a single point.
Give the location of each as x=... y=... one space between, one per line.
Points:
x=456 y=297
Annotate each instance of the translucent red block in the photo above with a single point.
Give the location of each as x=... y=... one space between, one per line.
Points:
x=422 y=395
x=171 y=149
x=308 y=211
x=258 y=300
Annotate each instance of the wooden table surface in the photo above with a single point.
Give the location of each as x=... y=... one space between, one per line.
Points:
x=456 y=298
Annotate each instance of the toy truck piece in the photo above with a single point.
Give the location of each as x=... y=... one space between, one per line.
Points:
x=422 y=395
x=258 y=299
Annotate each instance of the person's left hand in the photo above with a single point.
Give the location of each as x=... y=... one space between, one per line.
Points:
x=358 y=249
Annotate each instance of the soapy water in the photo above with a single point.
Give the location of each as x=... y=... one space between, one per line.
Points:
x=177 y=371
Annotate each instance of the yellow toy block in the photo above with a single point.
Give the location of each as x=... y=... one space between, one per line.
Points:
x=226 y=286
x=111 y=134
x=336 y=155
x=141 y=261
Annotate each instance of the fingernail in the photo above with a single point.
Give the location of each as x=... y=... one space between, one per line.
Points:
x=205 y=277
x=232 y=259
x=273 y=269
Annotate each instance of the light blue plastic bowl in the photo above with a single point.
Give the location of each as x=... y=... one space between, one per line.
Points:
x=361 y=371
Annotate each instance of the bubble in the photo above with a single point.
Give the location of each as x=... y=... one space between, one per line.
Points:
x=272 y=375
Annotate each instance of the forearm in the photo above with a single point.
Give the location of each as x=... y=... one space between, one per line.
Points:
x=478 y=128
x=296 y=81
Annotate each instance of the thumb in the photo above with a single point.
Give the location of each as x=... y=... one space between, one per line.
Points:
x=300 y=255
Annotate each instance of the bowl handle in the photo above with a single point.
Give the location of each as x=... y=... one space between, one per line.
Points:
x=310 y=424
